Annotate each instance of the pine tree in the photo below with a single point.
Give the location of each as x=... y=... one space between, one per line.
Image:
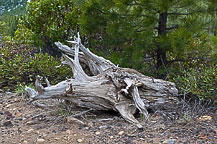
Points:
x=129 y=31
x=51 y=21
x=162 y=27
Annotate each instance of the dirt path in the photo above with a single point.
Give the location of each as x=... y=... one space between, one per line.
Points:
x=21 y=123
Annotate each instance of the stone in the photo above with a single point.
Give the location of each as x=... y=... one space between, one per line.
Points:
x=18 y=114
x=86 y=128
x=103 y=127
x=205 y=118
x=156 y=140
x=97 y=133
x=68 y=131
x=170 y=141
x=57 y=138
x=9 y=105
x=30 y=130
x=79 y=140
x=7 y=113
x=111 y=137
x=121 y=133
x=40 y=141
x=25 y=142
x=74 y=120
x=7 y=123
x=32 y=122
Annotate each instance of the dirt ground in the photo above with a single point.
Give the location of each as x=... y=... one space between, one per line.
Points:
x=22 y=123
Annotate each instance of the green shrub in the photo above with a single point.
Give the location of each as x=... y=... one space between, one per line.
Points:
x=197 y=79
x=18 y=66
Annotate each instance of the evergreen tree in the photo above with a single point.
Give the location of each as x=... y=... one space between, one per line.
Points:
x=10 y=11
x=51 y=21
x=168 y=29
x=129 y=31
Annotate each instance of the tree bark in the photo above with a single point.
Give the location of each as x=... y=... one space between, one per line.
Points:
x=110 y=88
x=161 y=52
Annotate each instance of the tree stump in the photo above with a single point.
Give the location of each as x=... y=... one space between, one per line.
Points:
x=110 y=88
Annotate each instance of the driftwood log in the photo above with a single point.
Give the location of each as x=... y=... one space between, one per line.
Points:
x=110 y=88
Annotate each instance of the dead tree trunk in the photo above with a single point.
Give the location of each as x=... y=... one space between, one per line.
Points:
x=111 y=88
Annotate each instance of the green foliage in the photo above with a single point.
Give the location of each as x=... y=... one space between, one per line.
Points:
x=10 y=12
x=20 y=89
x=24 y=35
x=12 y=22
x=12 y=7
x=62 y=111
x=196 y=79
x=127 y=30
x=3 y=28
x=18 y=66
x=51 y=21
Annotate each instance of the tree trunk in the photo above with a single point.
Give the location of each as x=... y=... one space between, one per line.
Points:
x=111 y=88
x=161 y=52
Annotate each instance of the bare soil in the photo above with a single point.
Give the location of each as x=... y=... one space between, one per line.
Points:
x=22 y=123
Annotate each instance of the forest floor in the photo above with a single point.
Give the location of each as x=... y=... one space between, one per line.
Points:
x=22 y=123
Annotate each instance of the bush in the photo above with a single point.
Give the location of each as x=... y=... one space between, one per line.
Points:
x=18 y=65
x=196 y=79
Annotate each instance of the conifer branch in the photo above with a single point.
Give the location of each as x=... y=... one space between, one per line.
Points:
x=172 y=27
x=174 y=13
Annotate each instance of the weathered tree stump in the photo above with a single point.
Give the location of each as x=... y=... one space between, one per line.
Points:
x=111 y=88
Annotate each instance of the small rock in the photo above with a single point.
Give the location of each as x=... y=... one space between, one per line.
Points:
x=20 y=119
x=97 y=133
x=25 y=142
x=8 y=123
x=57 y=138
x=79 y=140
x=150 y=135
x=170 y=141
x=32 y=122
x=140 y=135
x=111 y=137
x=121 y=133
x=9 y=117
x=18 y=114
x=144 y=139
x=75 y=134
x=30 y=130
x=103 y=127
x=86 y=128
x=156 y=140
x=74 y=120
x=8 y=113
x=164 y=133
x=205 y=118
x=1 y=113
x=40 y=141
x=68 y=131
x=9 y=105
x=90 y=124
x=81 y=126
x=64 y=128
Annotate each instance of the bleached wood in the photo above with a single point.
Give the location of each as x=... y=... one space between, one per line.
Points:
x=111 y=88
